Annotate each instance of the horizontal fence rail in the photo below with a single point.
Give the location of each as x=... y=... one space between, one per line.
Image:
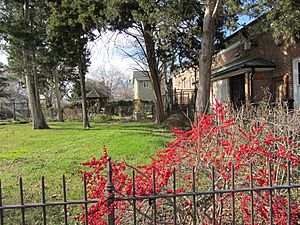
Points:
x=43 y=204
x=85 y=202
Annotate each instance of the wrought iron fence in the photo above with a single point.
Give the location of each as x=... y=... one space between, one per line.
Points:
x=184 y=96
x=22 y=206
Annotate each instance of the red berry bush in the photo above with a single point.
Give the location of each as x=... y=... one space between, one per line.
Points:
x=226 y=140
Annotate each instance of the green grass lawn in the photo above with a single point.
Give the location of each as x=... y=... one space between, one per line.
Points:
x=60 y=150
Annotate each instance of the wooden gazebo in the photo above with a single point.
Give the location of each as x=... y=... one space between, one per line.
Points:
x=96 y=100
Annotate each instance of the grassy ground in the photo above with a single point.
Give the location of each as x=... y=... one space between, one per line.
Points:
x=60 y=150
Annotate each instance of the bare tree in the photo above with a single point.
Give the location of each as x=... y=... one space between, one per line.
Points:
x=118 y=84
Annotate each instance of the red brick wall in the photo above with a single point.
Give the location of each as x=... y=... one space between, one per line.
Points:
x=265 y=48
x=261 y=85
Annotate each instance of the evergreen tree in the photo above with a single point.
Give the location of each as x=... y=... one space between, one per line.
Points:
x=71 y=27
x=23 y=28
x=3 y=82
x=162 y=29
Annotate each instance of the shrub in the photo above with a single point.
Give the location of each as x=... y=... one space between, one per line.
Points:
x=224 y=140
x=6 y=112
x=100 y=118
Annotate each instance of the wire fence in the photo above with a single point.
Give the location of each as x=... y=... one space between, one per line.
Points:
x=85 y=202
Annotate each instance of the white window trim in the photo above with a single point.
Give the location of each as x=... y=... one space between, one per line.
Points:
x=183 y=84
x=146 y=84
x=192 y=80
x=296 y=82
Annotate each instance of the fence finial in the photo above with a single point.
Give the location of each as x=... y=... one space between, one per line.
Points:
x=110 y=193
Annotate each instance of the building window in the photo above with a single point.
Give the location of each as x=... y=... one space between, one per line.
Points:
x=298 y=72
x=146 y=84
x=192 y=81
x=296 y=81
x=183 y=84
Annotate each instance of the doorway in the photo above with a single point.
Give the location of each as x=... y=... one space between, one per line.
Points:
x=237 y=90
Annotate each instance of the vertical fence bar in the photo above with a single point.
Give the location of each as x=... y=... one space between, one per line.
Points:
x=133 y=195
x=28 y=111
x=44 y=201
x=22 y=201
x=14 y=108
x=194 y=198
x=298 y=167
x=232 y=196
x=174 y=198
x=214 y=194
x=1 y=203
x=270 y=195
x=289 y=191
x=65 y=199
x=110 y=193
x=85 y=200
x=154 y=200
x=252 y=194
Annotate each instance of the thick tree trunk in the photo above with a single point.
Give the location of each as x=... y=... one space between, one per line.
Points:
x=205 y=62
x=59 y=109
x=38 y=119
x=154 y=74
x=85 y=118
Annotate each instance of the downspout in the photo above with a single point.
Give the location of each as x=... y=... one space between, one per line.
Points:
x=285 y=87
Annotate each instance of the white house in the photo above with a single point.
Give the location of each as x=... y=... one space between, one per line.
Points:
x=142 y=86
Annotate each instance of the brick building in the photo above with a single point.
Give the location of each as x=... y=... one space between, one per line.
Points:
x=253 y=64
x=184 y=86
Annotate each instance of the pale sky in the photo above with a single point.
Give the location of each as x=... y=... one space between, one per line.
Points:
x=105 y=53
x=3 y=58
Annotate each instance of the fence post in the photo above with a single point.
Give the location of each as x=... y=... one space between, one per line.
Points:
x=1 y=210
x=28 y=111
x=110 y=193
x=14 y=107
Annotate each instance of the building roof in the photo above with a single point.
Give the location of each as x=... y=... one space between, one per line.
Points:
x=96 y=94
x=242 y=64
x=141 y=75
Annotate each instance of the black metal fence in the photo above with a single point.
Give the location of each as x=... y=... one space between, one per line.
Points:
x=184 y=96
x=14 y=110
x=288 y=187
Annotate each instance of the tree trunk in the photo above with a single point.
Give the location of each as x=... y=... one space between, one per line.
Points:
x=38 y=119
x=85 y=118
x=49 y=102
x=59 y=109
x=205 y=62
x=154 y=74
